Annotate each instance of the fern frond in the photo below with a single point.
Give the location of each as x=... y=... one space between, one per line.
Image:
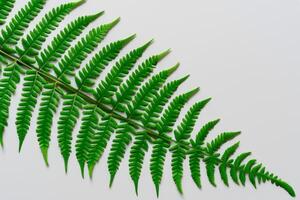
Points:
x=197 y=154
x=204 y=131
x=149 y=118
x=136 y=159
x=154 y=109
x=178 y=156
x=184 y=130
x=62 y=41
x=165 y=125
x=33 y=81
x=32 y=87
x=124 y=103
x=6 y=7
x=80 y=51
x=68 y=64
x=236 y=164
x=147 y=92
x=45 y=61
x=15 y=29
x=122 y=139
x=225 y=162
x=88 y=128
x=128 y=89
x=87 y=75
x=220 y=140
x=151 y=113
x=182 y=134
x=106 y=89
x=8 y=84
x=212 y=148
x=67 y=120
x=99 y=141
x=33 y=41
x=48 y=107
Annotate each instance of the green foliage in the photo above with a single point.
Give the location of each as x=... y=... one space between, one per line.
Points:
x=6 y=7
x=129 y=104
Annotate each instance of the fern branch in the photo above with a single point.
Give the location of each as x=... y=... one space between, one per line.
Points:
x=33 y=81
x=6 y=7
x=71 y=61
x=15 y=29
x=165 y=126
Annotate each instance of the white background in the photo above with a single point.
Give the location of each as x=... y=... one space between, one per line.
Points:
x=244 y=54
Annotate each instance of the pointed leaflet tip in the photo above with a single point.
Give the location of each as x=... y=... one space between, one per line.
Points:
x=66 y=164
x=179 y=187
x=157 y=190
x=115 y=22
x=1 y=142
x=112 y=176
x=163 y=54
x=136 y=185
x=95 y=16
x=91 y=171
x=129 y=39
x=82 y=169
x=191 y=93
x=79 y=3
x=173 y=69
x=20 y=144
x=145 y=46
x=183 y=79
x=45 y=156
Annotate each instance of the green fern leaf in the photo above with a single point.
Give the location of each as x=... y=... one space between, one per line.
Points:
x=33 y=81
x=165 y=125
x=6 y=7
x=220 y=140
x=237 y=164
x=62 y=41
x=45 y=62
x=128 y=89
x=15 y=29
x=68 y=117
x=48 y=107
x=178 y=156
x=194 y=163
x=106 y=89
x=99 y=141
x=80 y=51
x=87 y=75
x=154 y=109
x=136 y=159
x=32 y=42
x=121 y=141
x=225 y=162
x=149 y=118
x=32 y=87
x=210 y=164
x=122 y=67
x=183 y=133
x=70 y=62
x=124 y=102
x=147 y=92
x=184 y=130
x=8 y=84
x=197 y=154
x=88 y=128
x=205 y=130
